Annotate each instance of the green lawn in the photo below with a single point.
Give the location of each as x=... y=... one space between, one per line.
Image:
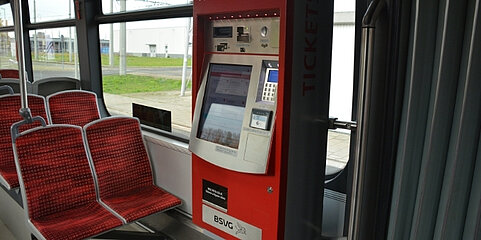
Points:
x=57 y=57
x=116 y=84
x=132 y=61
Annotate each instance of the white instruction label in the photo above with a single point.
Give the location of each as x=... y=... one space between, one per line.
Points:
x=230 y=225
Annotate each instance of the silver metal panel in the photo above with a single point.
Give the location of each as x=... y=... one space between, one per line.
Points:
x=263 y=36
x=436 y=192
x=229 y=224
x=172 y=164
x=466 y=127
x=226 y=157
x=411 y=136
x=333 y=214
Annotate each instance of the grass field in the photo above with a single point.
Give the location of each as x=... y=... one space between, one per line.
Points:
x=132 y=61
x=116 y=84
x=56 y=57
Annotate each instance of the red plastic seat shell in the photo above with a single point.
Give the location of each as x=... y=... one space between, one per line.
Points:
x=74 y=107
x=79 y=223
x=59 y=186
x=9 y=73
x=123 y=169
x=9 y=107
x=141 y=202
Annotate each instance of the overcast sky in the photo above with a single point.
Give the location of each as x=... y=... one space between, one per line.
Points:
x=48 y=10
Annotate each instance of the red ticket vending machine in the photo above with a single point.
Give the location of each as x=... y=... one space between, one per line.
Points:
x=261 y=73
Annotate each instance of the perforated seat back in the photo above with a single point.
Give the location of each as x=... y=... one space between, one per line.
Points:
x=9 y=73
x=9 y=107
x=119 y=155
x=54 y=169
x=74 y=107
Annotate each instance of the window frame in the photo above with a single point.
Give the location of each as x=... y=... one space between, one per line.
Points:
x=88 y=16
x=51 y=21
x=27 y=26
x=176 y=11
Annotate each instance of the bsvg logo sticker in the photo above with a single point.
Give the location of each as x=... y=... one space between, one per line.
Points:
x=240 y=229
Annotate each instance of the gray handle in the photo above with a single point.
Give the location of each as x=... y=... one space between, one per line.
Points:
x=8 y=88
x=15 y=127
x=364 y=99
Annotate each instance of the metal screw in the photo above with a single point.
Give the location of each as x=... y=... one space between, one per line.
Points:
x=270 y=189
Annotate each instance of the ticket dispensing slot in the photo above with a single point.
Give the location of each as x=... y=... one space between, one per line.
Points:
x=243 y=34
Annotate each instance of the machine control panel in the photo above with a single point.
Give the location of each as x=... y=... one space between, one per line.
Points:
x=237 y=99
x=235 y=110
x=244 y=35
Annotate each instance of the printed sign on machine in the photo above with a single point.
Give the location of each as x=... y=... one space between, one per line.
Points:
x=230 y=225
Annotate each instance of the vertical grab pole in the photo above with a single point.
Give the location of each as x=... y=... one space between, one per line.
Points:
x=364 y=100
x=24 y=110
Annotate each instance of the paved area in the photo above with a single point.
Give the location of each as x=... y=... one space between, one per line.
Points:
x=337 y=151
x=337 y=145
x=49 y=69
x=165 y=72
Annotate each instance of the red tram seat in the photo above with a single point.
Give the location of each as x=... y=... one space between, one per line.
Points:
x=56 y=180
x=9 y=105
x=123 y=169
x=9 y=73
x=74 y=107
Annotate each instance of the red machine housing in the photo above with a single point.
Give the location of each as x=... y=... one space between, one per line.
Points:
x=259 y=199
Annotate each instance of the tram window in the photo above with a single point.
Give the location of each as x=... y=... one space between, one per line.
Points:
x=6 y=16
x=115 y=6
x=151 y=72
x=8 y=57
x=50 y=10
x=54 y=53
x=341 y=83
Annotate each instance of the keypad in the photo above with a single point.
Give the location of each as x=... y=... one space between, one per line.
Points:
x=269 y=93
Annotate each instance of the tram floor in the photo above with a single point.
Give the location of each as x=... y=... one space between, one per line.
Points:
x=175 y=225
x=171 y=223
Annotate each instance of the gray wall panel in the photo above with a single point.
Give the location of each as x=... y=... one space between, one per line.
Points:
x=437 y=181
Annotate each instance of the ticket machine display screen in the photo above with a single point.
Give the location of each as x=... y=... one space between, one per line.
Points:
x=224 y=104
